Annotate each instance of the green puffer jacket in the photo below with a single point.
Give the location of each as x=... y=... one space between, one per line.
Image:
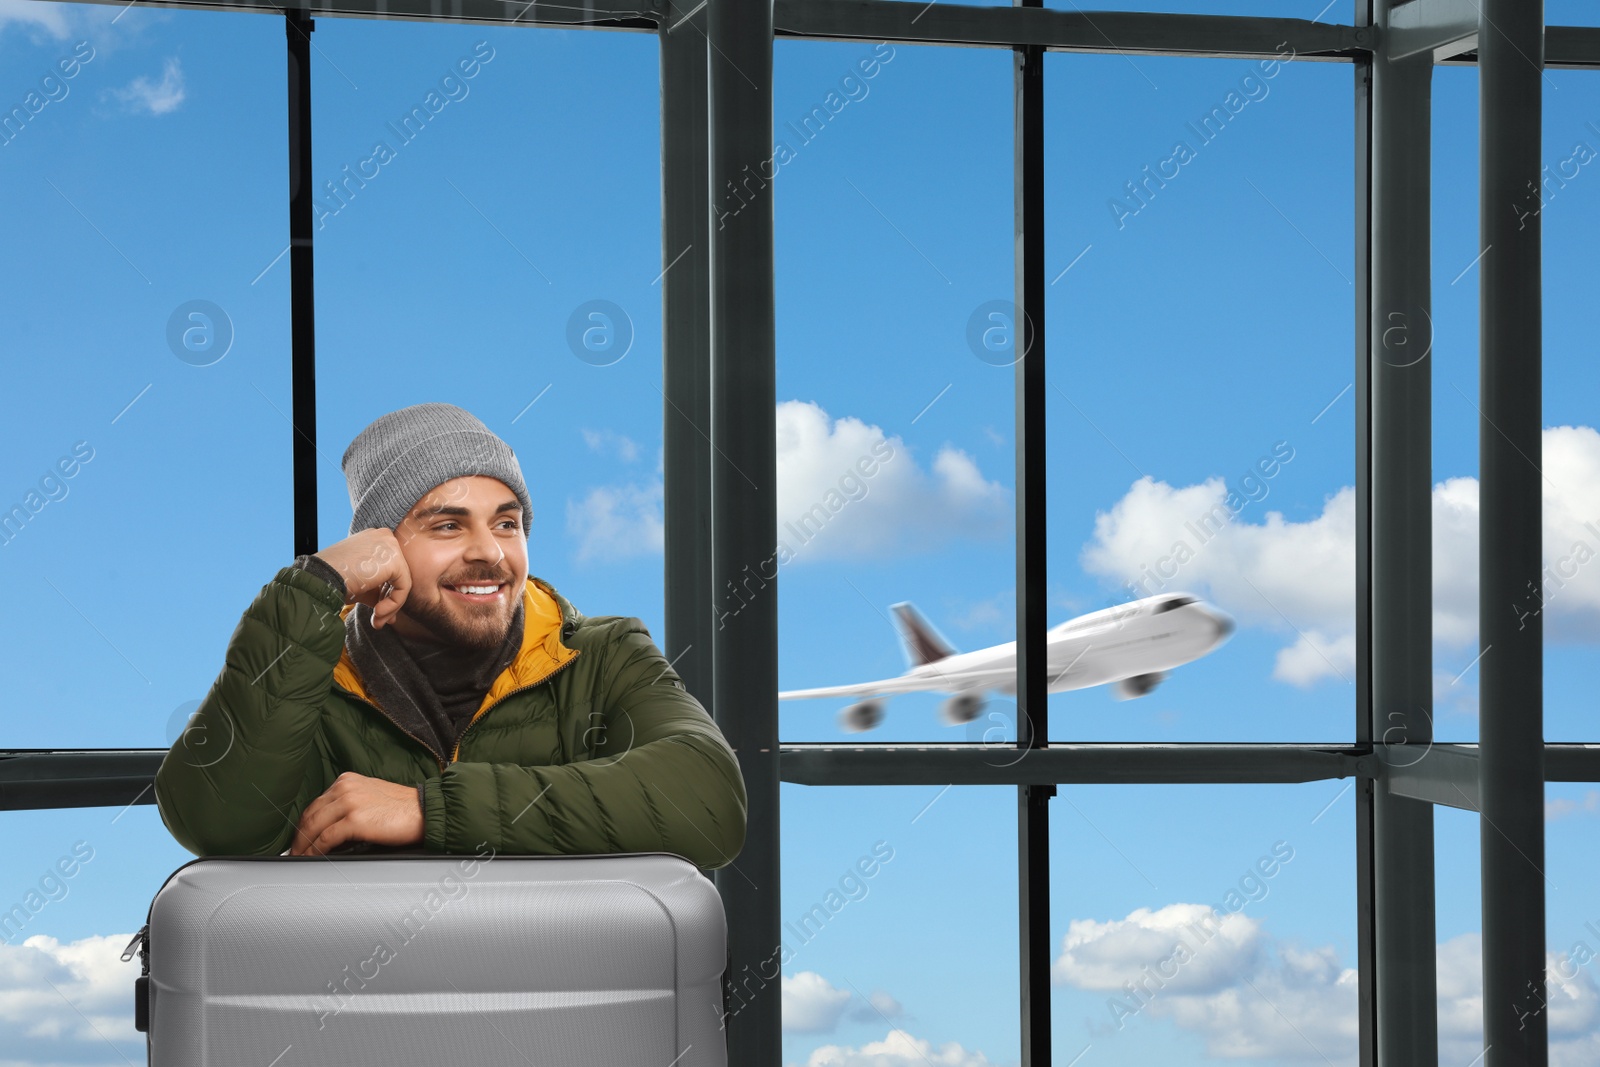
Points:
x=586 y=743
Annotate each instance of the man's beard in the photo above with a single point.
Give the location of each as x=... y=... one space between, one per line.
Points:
x=470 y=626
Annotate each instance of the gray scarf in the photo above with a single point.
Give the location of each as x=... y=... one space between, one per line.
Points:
x=429 y=687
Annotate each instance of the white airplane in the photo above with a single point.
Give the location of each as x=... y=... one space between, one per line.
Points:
x=1133 y=645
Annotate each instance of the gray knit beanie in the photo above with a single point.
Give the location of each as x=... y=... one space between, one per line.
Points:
x=404 y=455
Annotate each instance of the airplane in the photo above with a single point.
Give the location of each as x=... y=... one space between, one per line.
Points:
x=1132 y=646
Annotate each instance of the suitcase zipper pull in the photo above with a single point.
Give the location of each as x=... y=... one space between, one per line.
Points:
x=136 y=944
x=141 y=984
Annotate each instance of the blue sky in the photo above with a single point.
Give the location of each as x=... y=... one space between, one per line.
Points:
x=1183 y=345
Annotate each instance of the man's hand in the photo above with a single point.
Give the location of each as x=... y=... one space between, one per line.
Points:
x=358 y=808
x=374 y=571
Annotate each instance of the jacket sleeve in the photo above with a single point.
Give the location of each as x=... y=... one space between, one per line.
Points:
x=662 y=777
x=237 y=779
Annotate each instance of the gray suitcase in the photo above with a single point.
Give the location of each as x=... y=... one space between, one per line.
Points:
x=422 y=960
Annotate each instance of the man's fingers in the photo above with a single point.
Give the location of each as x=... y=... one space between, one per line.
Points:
x=384 y=615
x=380 y=607
x=318 y=816
x=330 y=838
x=298 y=840
x=387 y=603
x=399 y=589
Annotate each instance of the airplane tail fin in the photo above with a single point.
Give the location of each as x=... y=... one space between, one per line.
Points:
x=923 y=644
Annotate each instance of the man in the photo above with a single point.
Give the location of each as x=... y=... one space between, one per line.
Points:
x=412 y=686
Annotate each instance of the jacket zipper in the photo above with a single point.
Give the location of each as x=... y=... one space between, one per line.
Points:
x=456 y=752
x=431 y=750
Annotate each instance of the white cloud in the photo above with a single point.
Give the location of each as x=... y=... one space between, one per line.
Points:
x=605 y=441
x=1460 y=989
x=618 y=521
x=90 y=1004
x=1223 y=978
x=1265 y=571
x=827 y=504
x=897 y=1049
x=1186 y=945
x=879 y=1006
x=52 y=18
x=1453 y=689
x=1299 y=1005
x=994 y=612
x=1315 y=655
x=156 y=98
x=812 y=1004
x=1572 y=999
x=1560 y=807
x=1253 y=996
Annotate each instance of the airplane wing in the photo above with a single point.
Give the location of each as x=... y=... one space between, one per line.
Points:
x=886 y=687
x=955 y=682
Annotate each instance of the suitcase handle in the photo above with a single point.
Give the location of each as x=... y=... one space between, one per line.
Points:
x=141 y=1003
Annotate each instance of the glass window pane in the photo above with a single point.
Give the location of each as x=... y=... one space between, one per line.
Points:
x=1196 y=924
x=1202 y=426
x=505 y=258
x=1573 y=929
x=1454 y=357
x=79 y=886
x=1458 y=918
x=146 y=451
x=895 y=418
x=899 y=935
x=1569 y=13
x=1568 y=598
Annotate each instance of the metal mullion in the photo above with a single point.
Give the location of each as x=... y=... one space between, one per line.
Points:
x=1366 y=885
x=626 y=15
x=1074 y=763
x=302 y=292
x=1511 y=686
x=1033 y=813
x=1400 y=334
x=1055 y=29
x=744 y=660
x=686 y=192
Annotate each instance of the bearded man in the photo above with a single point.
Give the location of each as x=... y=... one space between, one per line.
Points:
x=414 y=687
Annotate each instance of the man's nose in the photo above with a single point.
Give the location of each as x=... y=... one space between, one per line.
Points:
x=481 y=544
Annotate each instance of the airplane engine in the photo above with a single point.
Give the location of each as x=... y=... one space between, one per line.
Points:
x=862 y=716
x=963 y=707
x=1137 y=686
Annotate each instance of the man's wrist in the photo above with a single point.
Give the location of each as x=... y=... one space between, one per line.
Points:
x=326 y=571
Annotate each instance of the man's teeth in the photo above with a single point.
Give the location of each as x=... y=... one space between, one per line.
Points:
x=481 y=590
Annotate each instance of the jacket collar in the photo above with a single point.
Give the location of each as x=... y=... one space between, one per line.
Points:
x=548 y=618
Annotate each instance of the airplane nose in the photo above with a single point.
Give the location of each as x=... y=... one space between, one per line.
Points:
x=1225 y=626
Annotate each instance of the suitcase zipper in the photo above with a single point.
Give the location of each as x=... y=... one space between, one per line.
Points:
x=140 y=940
x=141 y=984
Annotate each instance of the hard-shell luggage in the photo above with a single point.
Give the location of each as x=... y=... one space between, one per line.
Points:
x=424 y=960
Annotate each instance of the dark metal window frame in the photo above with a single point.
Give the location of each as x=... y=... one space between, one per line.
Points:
x=718 y=329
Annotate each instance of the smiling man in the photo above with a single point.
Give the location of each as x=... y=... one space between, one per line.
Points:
x=413 y=687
